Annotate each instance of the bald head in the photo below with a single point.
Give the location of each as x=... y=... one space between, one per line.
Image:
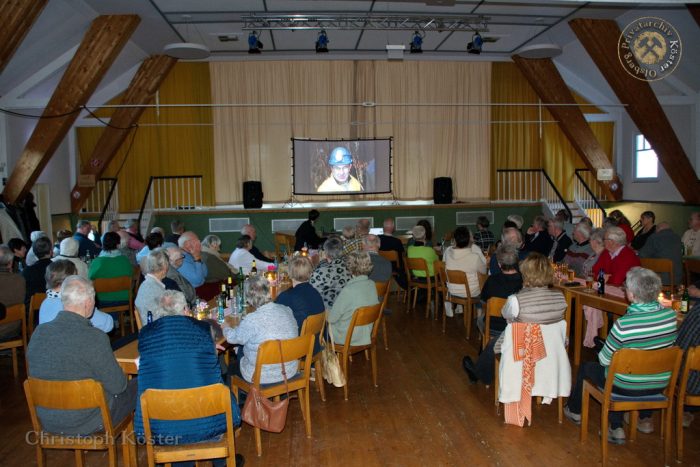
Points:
x=189 y=242
x=362 y=227
x=663 y=226
x=389 y=226
x=249 y=230
x=370 y=243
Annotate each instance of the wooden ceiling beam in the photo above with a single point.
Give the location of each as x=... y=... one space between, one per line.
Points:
x=141 y=90
x=600 y=38
x=16 y=17
x=545 y=79
x=98 y=50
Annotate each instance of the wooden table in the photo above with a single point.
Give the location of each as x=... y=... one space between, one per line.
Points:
x=584 y=296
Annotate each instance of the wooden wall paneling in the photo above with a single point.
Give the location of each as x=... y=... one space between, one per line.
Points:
x=545 y=79
x=141 y=90
x=16 y=18
x=99 y=48
x=600 y=38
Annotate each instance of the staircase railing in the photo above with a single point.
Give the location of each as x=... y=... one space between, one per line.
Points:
x=530 y=185
x=170 y=193
x=101 y=196
x=586 y=199
x=110 y=211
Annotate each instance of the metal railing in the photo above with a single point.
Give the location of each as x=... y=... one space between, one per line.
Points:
x=529 y=185
x=586 y=198
x=103 y=197
x=170 y=193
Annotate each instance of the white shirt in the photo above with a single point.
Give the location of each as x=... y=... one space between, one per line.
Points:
x=691 y=241
x=242 y=258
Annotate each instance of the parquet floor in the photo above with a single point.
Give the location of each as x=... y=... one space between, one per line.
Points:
x=424 y=413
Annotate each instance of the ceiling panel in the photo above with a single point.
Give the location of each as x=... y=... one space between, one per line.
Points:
x=168 y=6
x=520 y=9
x=463 y=8
x=320 y=5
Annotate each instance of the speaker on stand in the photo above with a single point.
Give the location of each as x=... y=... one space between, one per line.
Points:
x=252 y=195
x=442 y=190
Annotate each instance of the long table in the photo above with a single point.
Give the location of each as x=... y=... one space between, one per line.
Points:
x=606 y=303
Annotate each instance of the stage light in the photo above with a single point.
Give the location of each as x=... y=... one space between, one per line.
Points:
x=322 y=42
x=254 y=44
x=474 y=47
x=417 y=43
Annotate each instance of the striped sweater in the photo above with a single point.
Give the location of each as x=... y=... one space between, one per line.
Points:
x=646 y=326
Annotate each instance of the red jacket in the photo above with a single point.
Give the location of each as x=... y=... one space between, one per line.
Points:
x=628 y=231
x=618 y=267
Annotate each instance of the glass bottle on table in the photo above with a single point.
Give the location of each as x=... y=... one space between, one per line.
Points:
x=601 y=282
x=253 y=269
x=685 y=301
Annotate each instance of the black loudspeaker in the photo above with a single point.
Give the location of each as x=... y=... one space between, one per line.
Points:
x=252 y=195
x=442 y=190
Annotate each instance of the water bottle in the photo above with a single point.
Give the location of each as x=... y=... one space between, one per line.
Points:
x=601 y=282
x=149 y=317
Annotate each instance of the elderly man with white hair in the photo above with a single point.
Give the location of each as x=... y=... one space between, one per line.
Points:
x=381 y=267
x=31 y=255
x=252 y=232
x=617 y=259
x=561 y=241
x=192 y=268
x=176 y=258
x=70 y=348
x=513 y=237
x=69 y=250
x=580 y=249
x=85 y=245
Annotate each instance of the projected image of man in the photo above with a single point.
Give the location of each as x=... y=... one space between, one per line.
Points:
x=340 y=179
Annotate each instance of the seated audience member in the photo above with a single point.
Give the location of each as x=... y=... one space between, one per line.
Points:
x=19 y=250
x=34 y=275
x=31 y=255
x=691 y=237
x=561 y=241
x=177 y=228
x=358 y=292
x=689 y=336
x=665 y=244
x=535 y=303
x=483 y=237
x=467 y=257
x=306 y=233
x=331 y=274
x=85 y=245
x=588 y=221
x=513 y=237
x=387 y=242
x=218 y=270
x=60 y=236
x=56 y=273
x=252 y=232
x=647 y=220
x=419 y=249
x=243 y=258
x=70 y=348
x=617 y=258
x=381 y=267
x=517 y=219
x=176 y=258
x=112 y=226
x=153 y=240
x=192 y=267
x=302 y=298
x=135 y=239
x=537 y=239
x=12 y=290
x=428 y=238
x=563 y=216
x=265 y=321
x=502 y=284
x=597 y=242
x=580 y=249
x=111 y=263
x=174 y=341
x=634 y=330
x=624 y=223
x=124 y=249
x=155 y=267
x=69 y=251
x=353 y=245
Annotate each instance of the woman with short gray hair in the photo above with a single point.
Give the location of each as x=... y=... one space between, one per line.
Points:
x=331 y=274
x=580 y=249
x=596 y=240
x=218 y=270
x=155 y=266
x=617 y=258
x=171 y=303
x=265 y=321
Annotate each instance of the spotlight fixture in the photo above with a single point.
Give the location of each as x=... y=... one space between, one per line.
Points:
x=254 y=44
x=417 y=43
x=322 y=42
x=474 y=47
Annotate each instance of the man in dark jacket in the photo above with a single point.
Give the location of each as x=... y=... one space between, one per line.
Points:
x=306 y=233
x=34 y=275
x=665 y=244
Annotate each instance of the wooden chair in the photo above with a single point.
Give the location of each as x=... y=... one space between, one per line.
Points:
x=361 y=317
x=16 y=313
x=137 y=319
x=440 y=290
x=456 y=277
x=692 y=363
x=301 y=347
x=692 y=269
x=393 y=257
x=313 y=326
x=117 y=284
x=659 y=265
x=34 y=306
x=76 y=395
x=494 y=305
x=188 y=404
x=634 y=362
x=482 y=279
x=414 y=283
x=383 y=295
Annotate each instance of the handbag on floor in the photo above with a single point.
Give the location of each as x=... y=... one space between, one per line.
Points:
x=263 y=413
x=331 y=365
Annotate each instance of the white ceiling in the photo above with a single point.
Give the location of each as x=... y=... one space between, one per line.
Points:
x=33 y=72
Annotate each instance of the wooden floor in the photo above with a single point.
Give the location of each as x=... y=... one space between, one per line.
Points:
x=423 y=413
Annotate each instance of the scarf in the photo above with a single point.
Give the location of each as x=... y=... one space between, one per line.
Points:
x=528 y=347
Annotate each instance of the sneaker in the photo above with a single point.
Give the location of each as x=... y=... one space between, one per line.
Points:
x=644 y=425
x=574 y=418
x=616 y=435
x=687 y=419
x=312 y=377
x=470 y=369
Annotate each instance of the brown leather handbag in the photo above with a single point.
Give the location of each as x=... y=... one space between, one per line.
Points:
x=261 y=412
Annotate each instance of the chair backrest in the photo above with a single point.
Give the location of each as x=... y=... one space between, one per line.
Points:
x=692 y=363
x=417 y=264
x=137 y=318
x=482 y=279
x=494 y=305
x=16 y=313
x=34 y=307
x=390 y=255
x=457 y=277
x=66 y=395
x=440 y=275
x=659 y=265
x=292 y=349
x=645 y=362
x=363 y=316
x=113 y=284
x=313 y=324
x=382 y=289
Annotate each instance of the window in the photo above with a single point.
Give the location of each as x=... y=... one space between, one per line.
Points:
x=646 y=165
